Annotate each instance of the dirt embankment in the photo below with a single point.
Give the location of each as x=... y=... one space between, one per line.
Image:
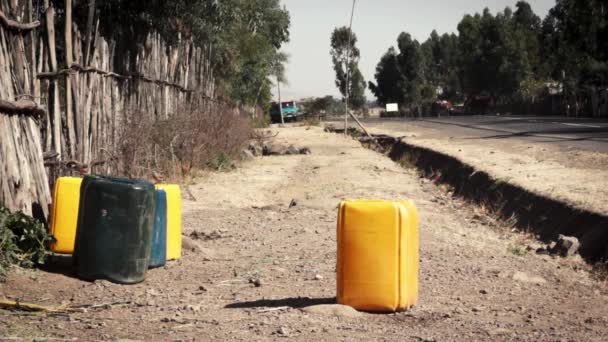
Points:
x=576 y=177
x=259 y=266
x=529 y=211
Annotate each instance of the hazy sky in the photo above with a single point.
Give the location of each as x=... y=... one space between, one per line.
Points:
x=377 y=24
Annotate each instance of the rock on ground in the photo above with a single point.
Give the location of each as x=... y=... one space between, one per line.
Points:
x=333 y=310
x=256 y=149
x=526 y=278
x=566 y=246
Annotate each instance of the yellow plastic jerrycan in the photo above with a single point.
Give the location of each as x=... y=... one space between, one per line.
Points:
x=378 y=255
x=174 y=220
x=64 y=214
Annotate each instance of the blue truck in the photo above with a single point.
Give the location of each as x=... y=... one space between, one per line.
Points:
x=289 y=109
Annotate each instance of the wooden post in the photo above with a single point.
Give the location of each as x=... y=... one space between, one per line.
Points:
x=70 y=87
x=347 y=87
x=89 y=31
x=35 y=88
x=56 y=112
x=23 y=180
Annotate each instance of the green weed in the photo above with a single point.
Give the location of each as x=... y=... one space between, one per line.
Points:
x=23 y=241
x=221 y=162
x=409 y=160
x=517 y=250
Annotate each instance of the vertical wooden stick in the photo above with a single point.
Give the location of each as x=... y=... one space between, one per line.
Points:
x=89 y=31
x=69 y=80
x=50 y=28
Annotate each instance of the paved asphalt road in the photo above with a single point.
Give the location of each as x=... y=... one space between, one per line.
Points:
x=568 y=133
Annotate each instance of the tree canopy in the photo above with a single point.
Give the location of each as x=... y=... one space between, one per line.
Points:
x=387 y=77
x=510 y=55
x=244 y=36
x=345 y=57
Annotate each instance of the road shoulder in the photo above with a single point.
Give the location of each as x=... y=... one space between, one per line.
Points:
x=579 y=178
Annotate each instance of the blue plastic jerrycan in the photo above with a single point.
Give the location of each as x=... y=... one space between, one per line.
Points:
x=158 y=257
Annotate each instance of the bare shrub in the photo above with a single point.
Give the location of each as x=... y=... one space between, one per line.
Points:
x=262 y=121
x=261 y=137
x=190 y=140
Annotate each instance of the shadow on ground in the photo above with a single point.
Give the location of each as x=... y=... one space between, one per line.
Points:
x=593 y=133
x=295 y=303
x=60 y=264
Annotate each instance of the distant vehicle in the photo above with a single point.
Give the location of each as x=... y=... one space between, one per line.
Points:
x=458 y=109
x=480 y=104
x=441 y=107
x=290 y=111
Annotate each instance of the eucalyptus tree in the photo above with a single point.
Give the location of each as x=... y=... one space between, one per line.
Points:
x=345 y=57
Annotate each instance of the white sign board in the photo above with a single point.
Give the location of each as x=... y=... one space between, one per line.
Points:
x=392 y=107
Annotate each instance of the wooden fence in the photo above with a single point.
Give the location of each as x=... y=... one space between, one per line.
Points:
x=56 y=112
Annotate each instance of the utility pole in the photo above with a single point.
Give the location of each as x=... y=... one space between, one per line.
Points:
x=347 y=88
x=280 y=105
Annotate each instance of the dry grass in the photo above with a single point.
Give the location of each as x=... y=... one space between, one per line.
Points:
x=174 y=148
x=517 y=250
x=312 y=121
x=409 y=160
x=599 y=272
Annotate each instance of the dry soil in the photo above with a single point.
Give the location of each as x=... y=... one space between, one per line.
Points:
x=263 y=271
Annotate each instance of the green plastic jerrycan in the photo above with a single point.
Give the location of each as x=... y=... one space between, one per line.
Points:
x=114 y=231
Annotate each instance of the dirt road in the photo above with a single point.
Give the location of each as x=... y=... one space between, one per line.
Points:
x=261 y=265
